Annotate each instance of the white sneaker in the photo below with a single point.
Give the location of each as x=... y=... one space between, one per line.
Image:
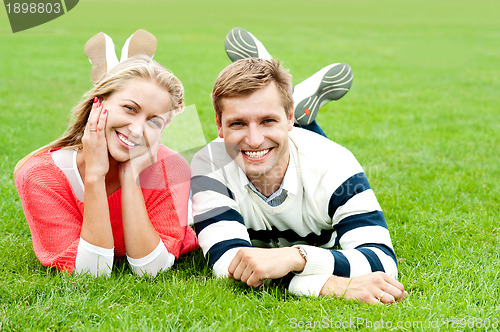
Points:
x=241 y=44
x=330 y=83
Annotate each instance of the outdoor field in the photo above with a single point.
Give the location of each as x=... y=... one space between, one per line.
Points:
x=422 y=117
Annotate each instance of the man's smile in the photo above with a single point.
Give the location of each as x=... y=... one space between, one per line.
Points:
x=256 y=155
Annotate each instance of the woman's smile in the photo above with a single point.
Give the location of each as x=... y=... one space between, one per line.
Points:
x=124 y=140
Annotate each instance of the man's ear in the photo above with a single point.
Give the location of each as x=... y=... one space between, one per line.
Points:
x=219 y=126
x=290 y=118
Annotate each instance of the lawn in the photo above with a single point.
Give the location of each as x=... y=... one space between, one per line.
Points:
x=422 y=117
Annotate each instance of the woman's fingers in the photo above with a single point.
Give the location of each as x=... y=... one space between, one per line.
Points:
x=101 y=125
x=94 y=115
x=97 y=119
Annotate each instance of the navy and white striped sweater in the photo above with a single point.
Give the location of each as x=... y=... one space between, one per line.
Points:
x=330 y=210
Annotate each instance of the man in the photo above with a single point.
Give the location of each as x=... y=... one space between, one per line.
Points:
x=274 y=201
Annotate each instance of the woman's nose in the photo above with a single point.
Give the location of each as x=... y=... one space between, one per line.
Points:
x=136 y=128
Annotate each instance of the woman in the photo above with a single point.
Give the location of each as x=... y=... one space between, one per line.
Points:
x=82 y=195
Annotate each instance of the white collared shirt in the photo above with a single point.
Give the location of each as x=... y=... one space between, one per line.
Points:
x=288 y=185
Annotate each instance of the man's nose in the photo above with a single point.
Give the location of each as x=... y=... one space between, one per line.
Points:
x=254 y=136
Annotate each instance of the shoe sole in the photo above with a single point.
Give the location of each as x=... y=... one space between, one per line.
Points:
x=101 y=52
x=140 y=42
x=333 y=82
x=241 y=44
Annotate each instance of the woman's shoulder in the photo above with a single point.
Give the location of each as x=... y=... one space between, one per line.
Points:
x=171 y=168
x=37 y=165
x=171 y=158
x=39 y=170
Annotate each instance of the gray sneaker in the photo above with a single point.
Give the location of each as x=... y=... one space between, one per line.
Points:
x=330 y=83
x=241 y=44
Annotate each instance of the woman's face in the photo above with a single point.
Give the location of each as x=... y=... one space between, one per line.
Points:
x=137 y=115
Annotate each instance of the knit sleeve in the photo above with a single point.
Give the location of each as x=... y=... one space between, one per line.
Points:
x=52 y=212
x=166 y=188
x=356 y=240
x=360 y=230
x=217 y=219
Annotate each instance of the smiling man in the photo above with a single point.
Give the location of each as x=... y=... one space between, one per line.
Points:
x=272 y=201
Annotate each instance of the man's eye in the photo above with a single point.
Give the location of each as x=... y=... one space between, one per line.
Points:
x=236 y=124
x=269 y=121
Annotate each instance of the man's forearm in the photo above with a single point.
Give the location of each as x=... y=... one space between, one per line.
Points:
x=253 y=265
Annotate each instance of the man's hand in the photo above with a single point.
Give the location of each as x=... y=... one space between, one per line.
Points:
x=372 y=288
x=253 y=265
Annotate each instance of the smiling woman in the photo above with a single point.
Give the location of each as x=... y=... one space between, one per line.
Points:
x=107 y=187
x=137 y=115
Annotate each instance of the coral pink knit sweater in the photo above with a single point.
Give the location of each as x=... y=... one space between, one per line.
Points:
x=55 y=215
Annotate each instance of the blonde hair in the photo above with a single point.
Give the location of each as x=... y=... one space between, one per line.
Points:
x=138 y=67
x=246 y=76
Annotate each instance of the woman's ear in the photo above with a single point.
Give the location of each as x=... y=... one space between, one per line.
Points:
x=100 y=50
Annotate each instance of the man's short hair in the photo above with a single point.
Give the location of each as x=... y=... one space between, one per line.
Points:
x=246 y=76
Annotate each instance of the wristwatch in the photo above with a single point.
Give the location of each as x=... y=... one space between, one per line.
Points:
x=302 y=252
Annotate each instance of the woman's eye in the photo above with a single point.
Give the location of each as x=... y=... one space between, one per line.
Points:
x=130 y=108
x=155 y=122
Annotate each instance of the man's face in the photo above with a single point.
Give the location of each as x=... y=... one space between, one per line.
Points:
x=255 y=132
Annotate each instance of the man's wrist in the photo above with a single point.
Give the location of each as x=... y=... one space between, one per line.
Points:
x=336 y=286
x=319 y=260
x=310 y=285
x=301 y=259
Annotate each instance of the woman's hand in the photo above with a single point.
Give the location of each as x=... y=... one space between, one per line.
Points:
x=140 y=158
x=96 y=227
x=141 y=238
x=95 y=147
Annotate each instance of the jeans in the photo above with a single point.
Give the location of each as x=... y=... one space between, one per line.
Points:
x=314 y=127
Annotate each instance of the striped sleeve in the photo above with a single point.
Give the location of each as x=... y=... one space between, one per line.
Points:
x=359 y=229
x=217 y=220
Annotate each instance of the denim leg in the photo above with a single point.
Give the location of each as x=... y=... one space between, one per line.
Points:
x=314 y=127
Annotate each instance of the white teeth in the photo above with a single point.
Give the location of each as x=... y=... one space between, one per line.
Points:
x=256 y=154
x=125 y=140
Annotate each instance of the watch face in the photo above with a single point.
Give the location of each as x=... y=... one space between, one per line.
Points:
x=302 y=252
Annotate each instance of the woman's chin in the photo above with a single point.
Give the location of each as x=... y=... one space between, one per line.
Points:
x=120 y=157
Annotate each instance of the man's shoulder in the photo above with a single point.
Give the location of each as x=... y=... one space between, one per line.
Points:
x=210 y=158
x=313 y=146
x=321 y=162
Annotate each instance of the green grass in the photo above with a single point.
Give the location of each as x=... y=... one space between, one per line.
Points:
x=422 y=117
